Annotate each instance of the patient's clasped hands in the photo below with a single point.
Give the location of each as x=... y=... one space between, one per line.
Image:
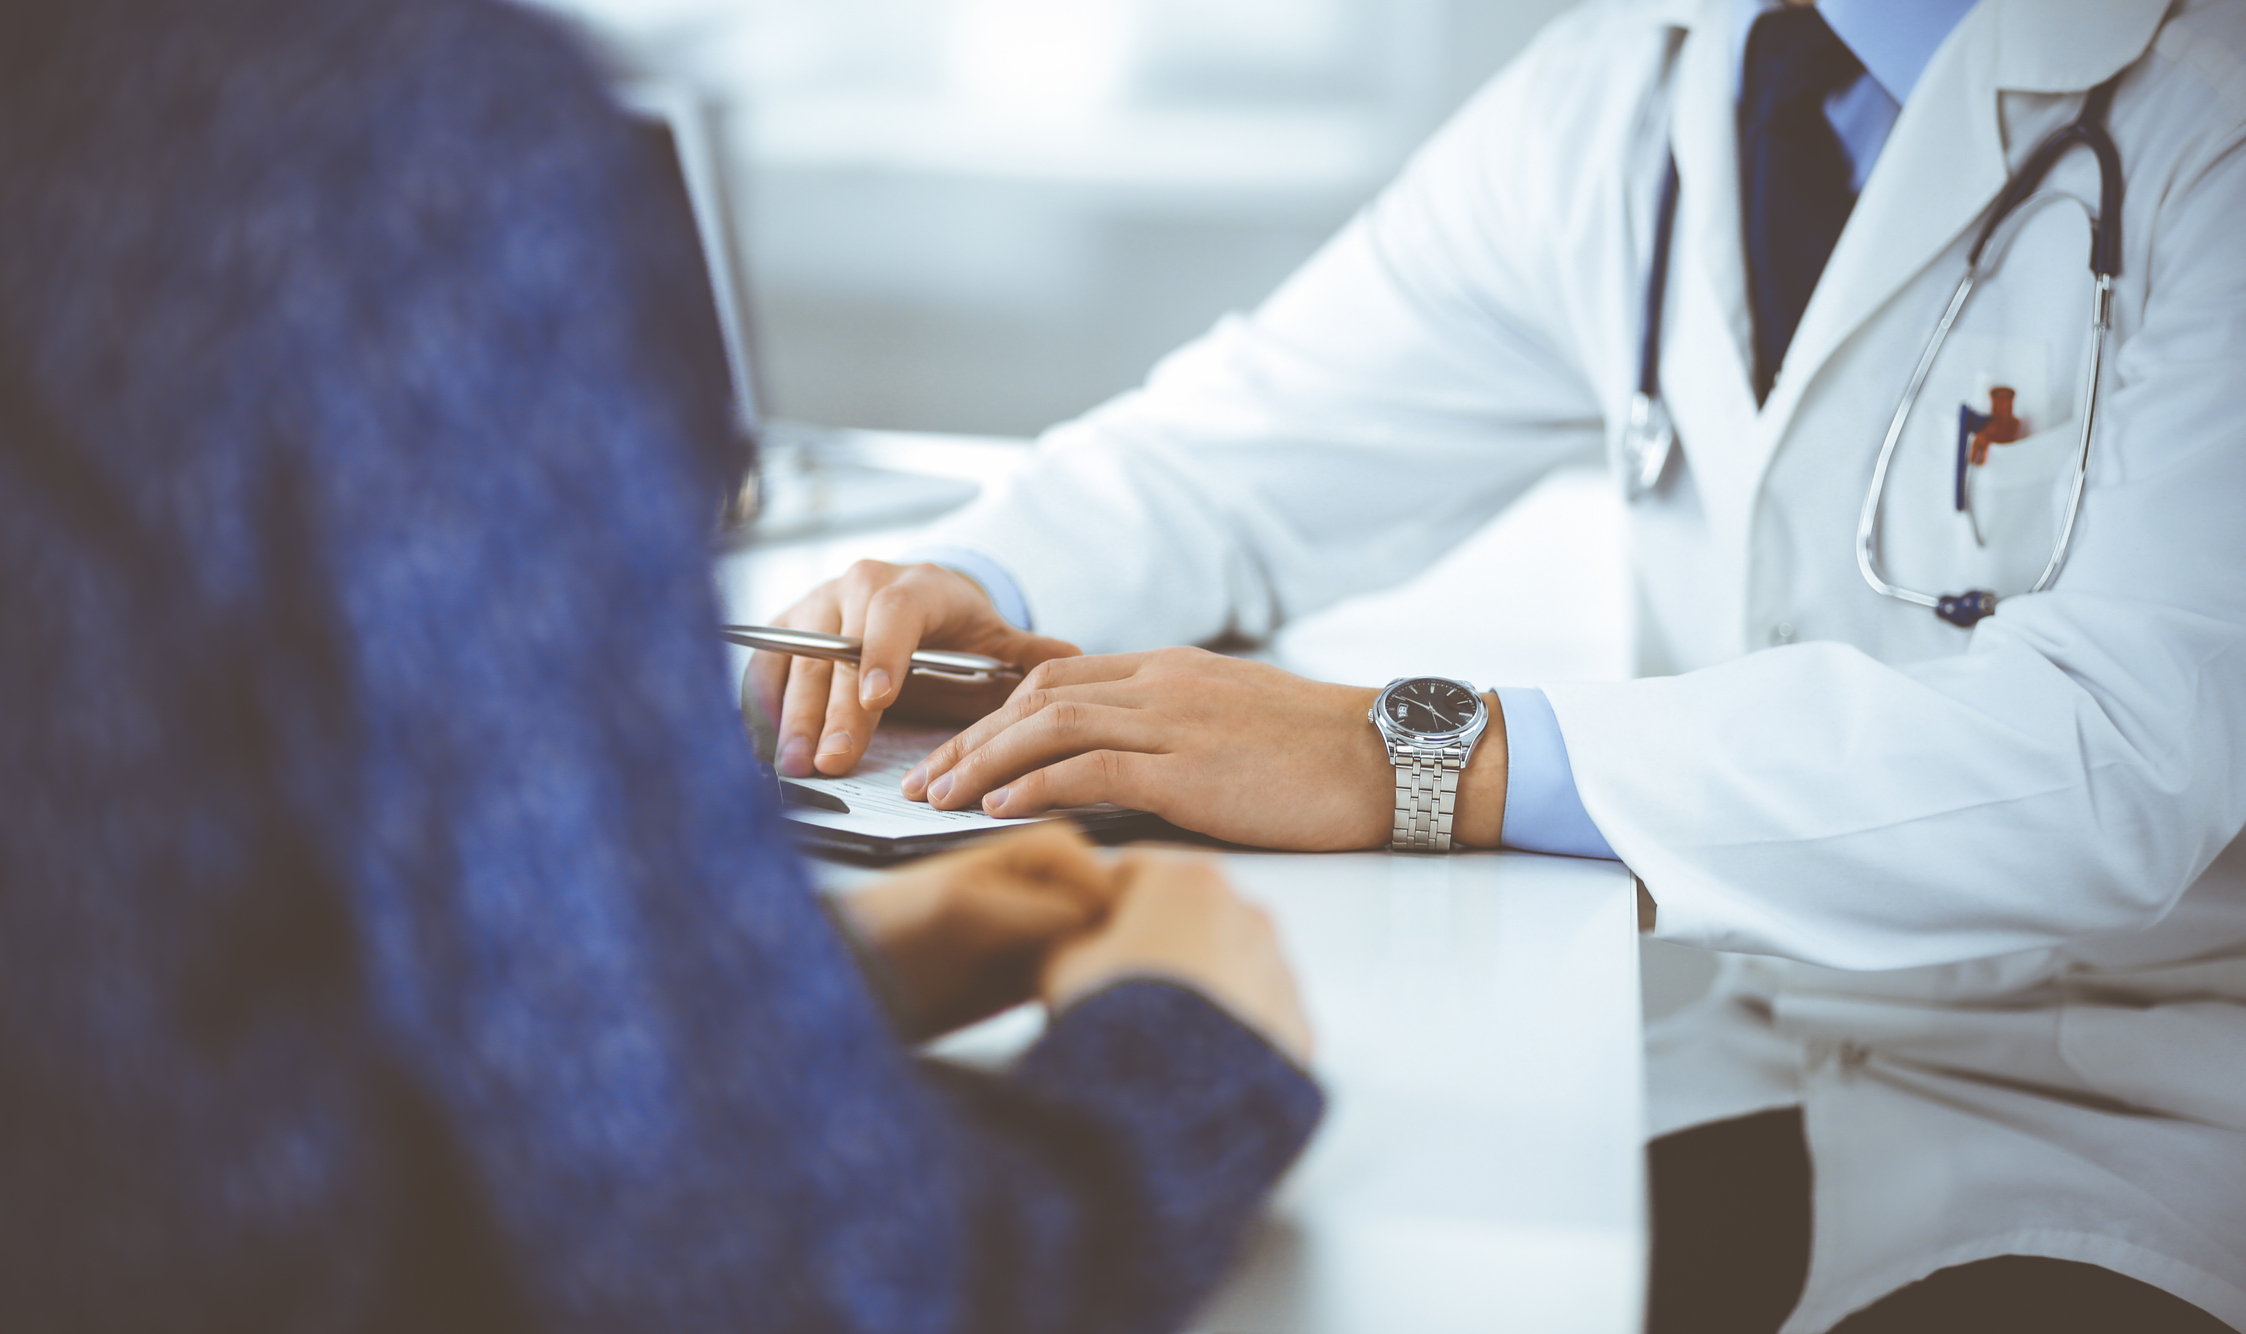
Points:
x=1042 y=914
x=1224 y=746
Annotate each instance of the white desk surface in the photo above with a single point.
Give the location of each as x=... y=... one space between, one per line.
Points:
x=1481 y=1167
x=1482 y=1162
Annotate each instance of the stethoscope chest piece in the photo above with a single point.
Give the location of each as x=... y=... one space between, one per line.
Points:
x=1648 y=437
x=1965 y=610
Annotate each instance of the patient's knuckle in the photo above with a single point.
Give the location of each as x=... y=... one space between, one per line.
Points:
x=1205 y=897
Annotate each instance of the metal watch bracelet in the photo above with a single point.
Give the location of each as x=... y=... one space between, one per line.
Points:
x=1426 y=797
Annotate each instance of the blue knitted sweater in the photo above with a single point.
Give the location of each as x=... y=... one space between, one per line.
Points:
x=394 y=933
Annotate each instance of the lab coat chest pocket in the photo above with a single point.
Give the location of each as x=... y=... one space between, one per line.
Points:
x=2022 y=333
x=2015 y=493
x=2019 y=497
x=2028 y=336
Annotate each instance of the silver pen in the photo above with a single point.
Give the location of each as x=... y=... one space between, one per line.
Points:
x=964 y=668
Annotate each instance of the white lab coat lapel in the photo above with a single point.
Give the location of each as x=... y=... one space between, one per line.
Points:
x=1704 y=359
x=1704 y=135
x=2067 y=46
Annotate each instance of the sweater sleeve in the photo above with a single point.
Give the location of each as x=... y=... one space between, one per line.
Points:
x=1176 y=1117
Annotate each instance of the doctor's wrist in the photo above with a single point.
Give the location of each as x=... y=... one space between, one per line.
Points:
x=1478 y=815
x=1478 y=820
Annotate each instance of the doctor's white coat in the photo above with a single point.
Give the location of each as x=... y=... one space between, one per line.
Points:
x=1988 y=916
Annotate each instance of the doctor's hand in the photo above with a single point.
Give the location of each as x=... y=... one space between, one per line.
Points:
x=966 y=935
x=825 y=712
x=1223 y=746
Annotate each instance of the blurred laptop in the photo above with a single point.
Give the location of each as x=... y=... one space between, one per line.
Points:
x=801 y=480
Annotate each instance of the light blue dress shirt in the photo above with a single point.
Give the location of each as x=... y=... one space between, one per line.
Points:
x=1005 y=594
x=1895 y=39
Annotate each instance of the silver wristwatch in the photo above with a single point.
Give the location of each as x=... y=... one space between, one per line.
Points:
x=1429 y=724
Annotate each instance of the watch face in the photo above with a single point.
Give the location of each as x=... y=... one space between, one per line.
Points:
x=1430 y=706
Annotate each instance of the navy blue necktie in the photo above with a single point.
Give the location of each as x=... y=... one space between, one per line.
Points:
x=1792 y=171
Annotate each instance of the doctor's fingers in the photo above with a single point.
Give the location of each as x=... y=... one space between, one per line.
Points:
x=848 y=726
x=803 y=715
x=769 y=672
x=1066 y=727
x=804 y=685
x=1033 y=696
x=904 y=608
x=1078 y=668
x=893 y=609
x=1133 y=779
x=907 y=607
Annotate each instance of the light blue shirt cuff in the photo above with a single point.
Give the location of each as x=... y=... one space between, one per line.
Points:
x=1543 y=812
x=1005 y=594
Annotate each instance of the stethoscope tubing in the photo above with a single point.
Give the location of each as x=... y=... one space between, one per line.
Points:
x=1649 y=435
x=1649 y=424
x=1867 y=522
x=2087 y=130
x=2101 y=324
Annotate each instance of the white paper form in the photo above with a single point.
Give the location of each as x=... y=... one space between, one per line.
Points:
x=878 y=805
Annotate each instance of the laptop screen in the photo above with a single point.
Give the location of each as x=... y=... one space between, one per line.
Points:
x=680 y=131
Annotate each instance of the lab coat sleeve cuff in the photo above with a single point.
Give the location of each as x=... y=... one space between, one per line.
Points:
x=1005 y=593
x=1543 y=811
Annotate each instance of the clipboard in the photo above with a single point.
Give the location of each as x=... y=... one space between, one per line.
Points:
x=840 y=841
x=863 y=816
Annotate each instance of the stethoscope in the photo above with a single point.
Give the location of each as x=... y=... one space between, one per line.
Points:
x=1648 y=436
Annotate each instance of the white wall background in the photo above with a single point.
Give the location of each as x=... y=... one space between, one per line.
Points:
x=988 y=215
